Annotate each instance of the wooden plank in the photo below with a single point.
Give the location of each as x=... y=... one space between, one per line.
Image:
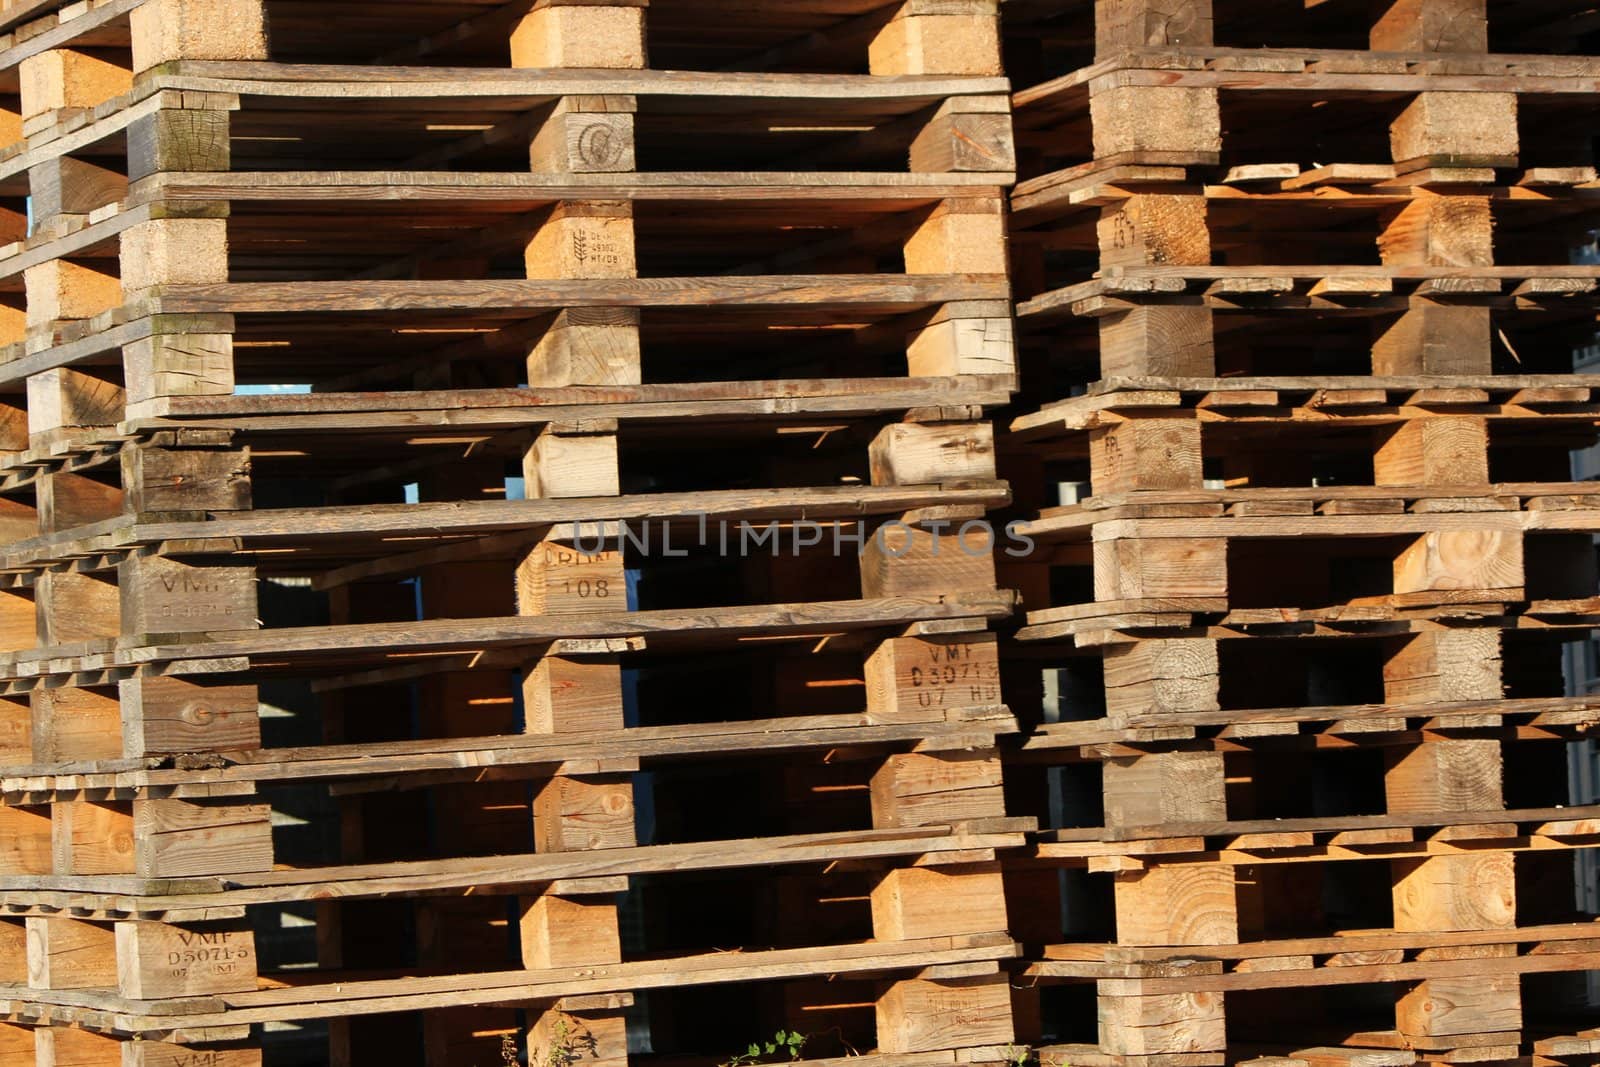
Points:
x=408 y=994
x=851 y=291
x=471 y=755
x=451 y=634
x=444 y=875
x=534 y=188
x=343 y=82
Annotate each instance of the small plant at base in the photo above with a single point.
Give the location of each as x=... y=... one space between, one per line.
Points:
x=508 y=1050
x=790 y=1041
x=1021 y=1056
x=569 y=1043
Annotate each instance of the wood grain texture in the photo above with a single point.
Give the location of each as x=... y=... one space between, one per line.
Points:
x=1162 y=1024
x=1432 y=26
x=1447 y=560
x=916 y=1015
x=76 y=724
x=1465 y=129
x=155 y=961
x=1186 y=904
x=446 y=634
x=858 y=292
x=67 y=954
x=918 y=902
x=1146 y=453
x=1442 y=451
x=916 y=789
x=180 y=838
x=1164 y=787
x=1154 y=230
x=1469 y=892
x=1161 y=676
x=1123 y=24
x=1448 y=775
x=162 y=716
x=913 y=677
x=1447 y=1007
x=1182 y=122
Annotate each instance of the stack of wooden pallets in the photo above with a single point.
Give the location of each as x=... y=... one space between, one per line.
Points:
x=505 y=555
x=1297 y=312
x=354 y=350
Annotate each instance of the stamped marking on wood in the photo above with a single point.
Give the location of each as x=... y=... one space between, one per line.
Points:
x=600 y=145
x=206 y=953
x=954 y=668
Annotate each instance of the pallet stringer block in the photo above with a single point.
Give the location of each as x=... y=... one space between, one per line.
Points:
x=1150 y=339
x=929 y=675
x=938 y=37
x=74 y=608
x=71 y=724
x=14 y=319
x=919 y=1014
x=564 y=689
x=965 y=134
x=1431 y=26
x=1434 y=336
x=68 y=500
x=16 y=735
x=63 y=188
x=27 y=842
x=10 y=121
x=150 y=594
x=1447 y=129
x=61 y=82
x=171 y=716
x=68 y=403
x=1458 y=664
x=165 y=838
x=1433 y=451
x=1160 y=674
x=1123 y=25
x=60 y=290
x=60 y=1046
x=167 y=30
x=1467 y=891
x=1159 y=568
x=162 y=595
x=1192 y=904
x=591 y=33
x=183 y=355
x=1167 y=125
x=961 y=236
x=1139 y=453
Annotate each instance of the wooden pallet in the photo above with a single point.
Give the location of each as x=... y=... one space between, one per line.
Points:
x=1294 y=456
x=554 y=248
